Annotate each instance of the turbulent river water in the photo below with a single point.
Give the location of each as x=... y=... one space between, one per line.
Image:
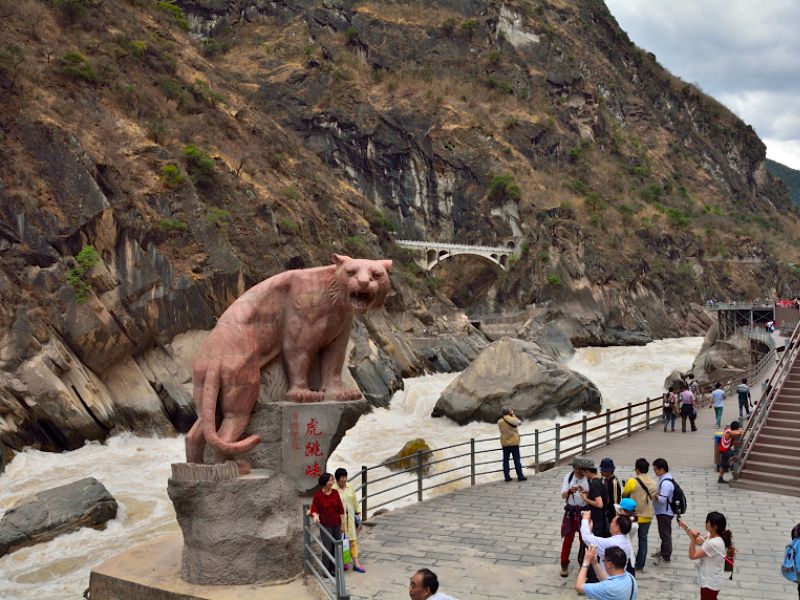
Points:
x=135 y=469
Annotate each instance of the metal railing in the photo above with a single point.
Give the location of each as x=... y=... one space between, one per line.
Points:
x=738 y=305
x=771 y=393
x=332 y=585
x=449 y=246
x=541 y=449
x=758 y=334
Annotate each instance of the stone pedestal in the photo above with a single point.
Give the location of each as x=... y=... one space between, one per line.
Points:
x=246 y=530
x=152 y=571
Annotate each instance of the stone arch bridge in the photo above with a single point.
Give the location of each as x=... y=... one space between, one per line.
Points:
x=430 y=254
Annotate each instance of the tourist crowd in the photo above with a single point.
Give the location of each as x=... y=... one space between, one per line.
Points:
x=612 y=520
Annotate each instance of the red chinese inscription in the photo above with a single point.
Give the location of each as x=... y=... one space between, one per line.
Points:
x=312 y=448
x=313 y=470
x=311 y=428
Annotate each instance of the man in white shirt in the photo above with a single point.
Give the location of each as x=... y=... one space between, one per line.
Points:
x=424 y=585
x=571 y=488
x=718 y=401
x=620 y=528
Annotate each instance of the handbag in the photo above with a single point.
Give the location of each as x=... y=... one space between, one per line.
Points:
x=345 y=550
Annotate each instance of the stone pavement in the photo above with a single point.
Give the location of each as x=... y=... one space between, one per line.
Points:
x=501 y=540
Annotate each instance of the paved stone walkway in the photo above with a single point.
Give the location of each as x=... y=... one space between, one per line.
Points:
x=501 y=540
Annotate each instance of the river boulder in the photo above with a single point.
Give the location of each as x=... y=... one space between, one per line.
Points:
x=721 y=358
x=82 y=503
x=519 y=374
x=406 y=458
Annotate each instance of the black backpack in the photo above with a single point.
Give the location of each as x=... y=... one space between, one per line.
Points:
x=678 y=502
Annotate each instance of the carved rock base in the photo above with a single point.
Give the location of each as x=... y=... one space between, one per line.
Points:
x=247 y=530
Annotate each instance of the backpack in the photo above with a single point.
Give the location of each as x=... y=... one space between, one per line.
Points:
x=790 y=568
x=678 y=502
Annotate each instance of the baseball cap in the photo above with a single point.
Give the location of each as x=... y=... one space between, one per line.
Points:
x=607 y=465
x=626 y=504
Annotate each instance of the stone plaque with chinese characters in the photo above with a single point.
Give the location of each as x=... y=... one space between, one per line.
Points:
x=310 y=432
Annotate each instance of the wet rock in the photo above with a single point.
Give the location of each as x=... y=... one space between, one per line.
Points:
x=406 y=458
x=377 y=375
x=549 y=337
x=452 y=352
x=82 y=503
x=720 y=359
x=519 y=374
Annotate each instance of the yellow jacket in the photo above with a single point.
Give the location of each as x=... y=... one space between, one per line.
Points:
x=509 y=436
x=644 y=504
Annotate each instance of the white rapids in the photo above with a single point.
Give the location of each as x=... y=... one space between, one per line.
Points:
x=135 y=469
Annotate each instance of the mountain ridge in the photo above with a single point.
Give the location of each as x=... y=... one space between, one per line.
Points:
x=198 y=147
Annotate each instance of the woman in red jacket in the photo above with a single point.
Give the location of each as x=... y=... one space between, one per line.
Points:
x=327 y=510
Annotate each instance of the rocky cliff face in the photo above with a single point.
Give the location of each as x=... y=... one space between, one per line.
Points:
x=155 y=161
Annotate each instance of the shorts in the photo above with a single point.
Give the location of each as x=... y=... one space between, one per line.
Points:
x=725 y=458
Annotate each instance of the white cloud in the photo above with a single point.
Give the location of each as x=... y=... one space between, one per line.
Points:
x=785 y=152
x=746 y=54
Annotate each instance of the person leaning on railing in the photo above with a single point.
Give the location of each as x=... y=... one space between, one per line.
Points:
x=327 y=510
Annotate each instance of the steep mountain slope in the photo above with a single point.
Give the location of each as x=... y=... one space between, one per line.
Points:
x=157 y=158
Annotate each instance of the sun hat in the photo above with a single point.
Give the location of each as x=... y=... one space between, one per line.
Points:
x=607 y=465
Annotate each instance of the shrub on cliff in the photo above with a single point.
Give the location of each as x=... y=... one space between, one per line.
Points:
x=503 y=187
x=170 y=175
x=199 y=164
x=77 y=66
x=85 y=261
x=176 y=12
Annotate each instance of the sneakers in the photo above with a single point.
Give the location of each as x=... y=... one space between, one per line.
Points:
x=564 y=571
x=660 y=560
x=655 y=555
x=522 y=479
x=721 y=480
x=359 y=569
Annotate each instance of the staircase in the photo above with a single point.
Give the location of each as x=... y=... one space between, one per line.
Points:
x=770 y=455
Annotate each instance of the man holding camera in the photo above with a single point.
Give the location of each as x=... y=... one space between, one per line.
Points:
x=509 y=440
x=572 y=489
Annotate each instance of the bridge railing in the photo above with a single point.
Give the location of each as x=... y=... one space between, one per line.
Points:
x=450 y=466
x=738 y=305
x=449 y=246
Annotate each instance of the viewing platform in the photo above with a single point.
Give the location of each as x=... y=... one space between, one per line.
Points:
x=501 y=540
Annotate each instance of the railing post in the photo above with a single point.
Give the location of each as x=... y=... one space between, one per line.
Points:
x=608 y=426
x=647 y=414
x=536 y=450
x=341 y=593
x=629 y=419
x=306 y=534
x=558 y=442
x=583 y=435
x=419 y=475
x=472 y=461
x=363 y=493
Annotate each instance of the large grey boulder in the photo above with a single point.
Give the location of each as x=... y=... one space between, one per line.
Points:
x=246 y=530
x=720 y=359
x=82 y=503
x=519 y=374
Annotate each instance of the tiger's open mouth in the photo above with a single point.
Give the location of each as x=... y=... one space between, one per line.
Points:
x=360 y=301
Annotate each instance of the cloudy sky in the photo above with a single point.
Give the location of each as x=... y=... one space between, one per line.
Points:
x=744 y=53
